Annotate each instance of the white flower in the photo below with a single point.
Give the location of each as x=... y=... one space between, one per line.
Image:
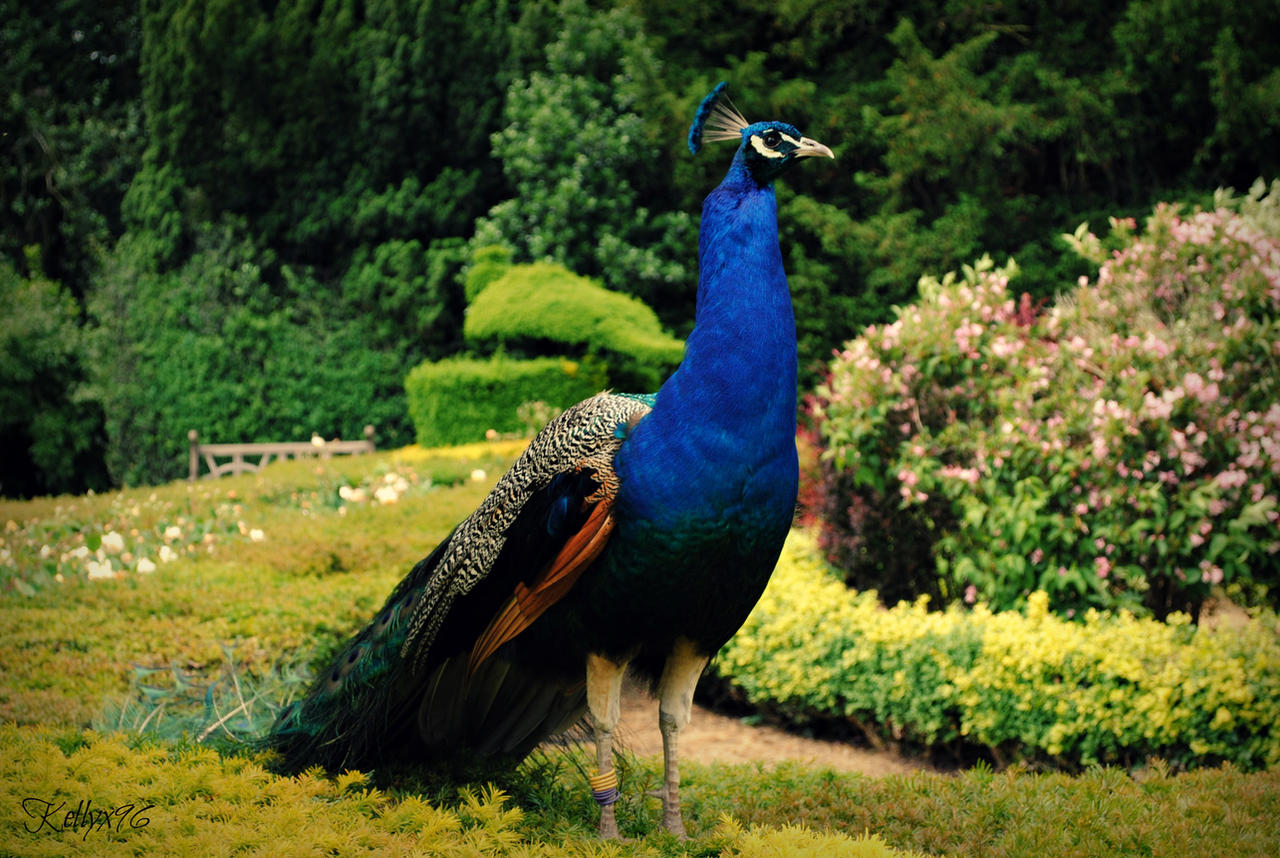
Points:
x=316 y=440
x=99 y=571
x=167 y=554
x=386 y=494
x=172 y=532
x=80 y=552
x=113 y=542
x=257 y=535
x=478 y=474
x=345 y=492
x=145 y=566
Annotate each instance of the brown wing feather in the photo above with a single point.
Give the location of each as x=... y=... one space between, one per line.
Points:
x=526 y=604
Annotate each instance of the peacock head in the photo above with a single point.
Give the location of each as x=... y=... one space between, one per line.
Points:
x=766 y=148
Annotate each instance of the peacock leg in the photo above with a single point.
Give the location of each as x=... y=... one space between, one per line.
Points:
x=604 y=696
x=675 y=704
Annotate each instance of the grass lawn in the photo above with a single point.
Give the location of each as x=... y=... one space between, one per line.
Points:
x=117 y=609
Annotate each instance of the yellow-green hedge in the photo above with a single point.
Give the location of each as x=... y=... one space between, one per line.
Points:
x=63 y=793
x=1111 y=688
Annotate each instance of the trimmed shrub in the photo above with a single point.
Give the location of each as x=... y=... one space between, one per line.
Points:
x=533 y=306
x=1117 y=451
x=1111 y=689
x=457 y=400
x=487 y=265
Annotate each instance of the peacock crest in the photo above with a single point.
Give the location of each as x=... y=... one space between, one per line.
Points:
x=717 y=120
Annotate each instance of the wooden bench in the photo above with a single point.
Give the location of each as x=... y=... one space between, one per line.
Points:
x=265 y=453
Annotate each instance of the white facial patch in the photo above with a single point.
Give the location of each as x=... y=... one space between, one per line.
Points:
x=757 y=143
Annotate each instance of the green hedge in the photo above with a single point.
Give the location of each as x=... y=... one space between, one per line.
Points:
x=1113 y=688
x=457 y=400
x=544 y=302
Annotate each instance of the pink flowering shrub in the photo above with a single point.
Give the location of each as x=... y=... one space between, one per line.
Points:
x=1121 y=449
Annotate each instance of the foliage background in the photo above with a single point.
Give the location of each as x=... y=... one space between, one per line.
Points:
x=302 y=184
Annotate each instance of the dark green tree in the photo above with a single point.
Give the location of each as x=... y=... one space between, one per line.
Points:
x=580 y=158
x=70 y=133
x=51 y=434
x=330 y=127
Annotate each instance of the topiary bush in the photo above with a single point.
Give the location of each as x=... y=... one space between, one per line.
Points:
x=1115 y=451
x=488 y=263
x=457 y=400
x=545 y=307
x=1112 y=688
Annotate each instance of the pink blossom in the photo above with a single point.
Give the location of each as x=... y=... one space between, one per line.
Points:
x=1156 y=346
x=1159 y=407
x=1231 y=478
x=1103 y=565
x=1211 y=573
x=1037 y=556
x=1193 y=383
x=970 y=594
x=969 y=475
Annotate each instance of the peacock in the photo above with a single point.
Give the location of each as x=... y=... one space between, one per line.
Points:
x=635 y=532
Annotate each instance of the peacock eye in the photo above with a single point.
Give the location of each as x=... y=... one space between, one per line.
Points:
x=772 y=139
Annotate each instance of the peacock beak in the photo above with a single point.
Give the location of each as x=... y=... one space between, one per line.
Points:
x=812 y=148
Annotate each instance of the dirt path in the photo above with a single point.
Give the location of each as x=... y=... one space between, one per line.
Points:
x=712 y=737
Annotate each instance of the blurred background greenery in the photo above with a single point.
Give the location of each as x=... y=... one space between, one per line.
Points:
x=255 y=217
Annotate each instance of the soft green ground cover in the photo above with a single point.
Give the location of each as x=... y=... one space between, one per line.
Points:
x=268 y=570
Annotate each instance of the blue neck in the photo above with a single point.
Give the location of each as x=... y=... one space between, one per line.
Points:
x=726 y=417
x=740 y=360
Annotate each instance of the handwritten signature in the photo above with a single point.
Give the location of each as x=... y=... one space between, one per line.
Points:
x=84 y=816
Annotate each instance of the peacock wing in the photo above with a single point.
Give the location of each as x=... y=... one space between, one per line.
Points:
x=431 y=646
x=531 y=538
